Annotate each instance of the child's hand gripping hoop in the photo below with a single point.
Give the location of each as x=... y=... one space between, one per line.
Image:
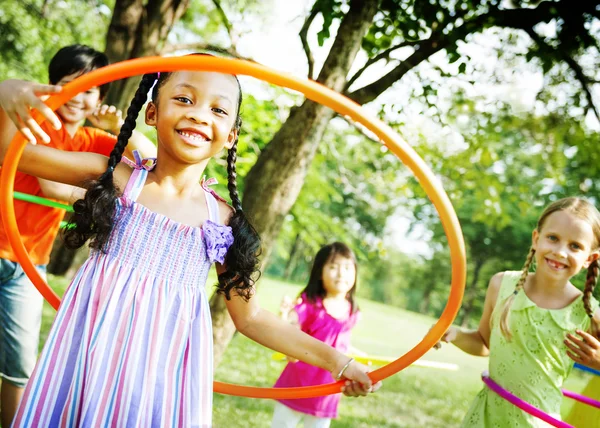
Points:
x=311 y=90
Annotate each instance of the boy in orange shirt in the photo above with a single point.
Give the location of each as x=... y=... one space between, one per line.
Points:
x=20 y=302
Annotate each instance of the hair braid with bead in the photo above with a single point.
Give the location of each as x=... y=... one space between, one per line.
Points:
x=93 y=216
x=242 y=259
x=505 y=315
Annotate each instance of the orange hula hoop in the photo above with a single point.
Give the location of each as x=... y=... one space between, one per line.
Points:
x=311 y=90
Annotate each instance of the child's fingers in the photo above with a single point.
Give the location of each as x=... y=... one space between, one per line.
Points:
x=574 y=342
x=359 y=373
x=589 y=340
x=29 y=127
x=103 y=110
x=580 y=350
x=41 y=89
x=24 y=129
x=355 y=389
x=575 y=357
x=47 y=113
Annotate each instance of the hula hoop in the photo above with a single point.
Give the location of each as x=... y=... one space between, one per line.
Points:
x=581 y=398
x=587 y=369
x=521 y=404
x=26 y=197
x=377 y=360
x=311 y=90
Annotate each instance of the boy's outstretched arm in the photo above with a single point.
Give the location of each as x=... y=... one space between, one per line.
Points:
x=477 y=342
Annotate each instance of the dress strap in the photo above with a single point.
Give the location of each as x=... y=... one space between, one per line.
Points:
x=138 y=176
x=212 y=199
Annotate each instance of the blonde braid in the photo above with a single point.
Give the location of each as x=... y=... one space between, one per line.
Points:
x=590 y=283
x=504 y=317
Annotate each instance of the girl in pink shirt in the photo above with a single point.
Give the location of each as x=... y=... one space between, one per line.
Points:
x=326 y=310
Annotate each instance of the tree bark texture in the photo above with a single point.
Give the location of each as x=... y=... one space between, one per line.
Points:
x=137 y=30
x=274 y=182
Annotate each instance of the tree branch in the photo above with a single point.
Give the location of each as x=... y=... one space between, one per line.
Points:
x=574 y=65
x=225 y=20
x=303 y=38
x=383 y=55
x=522 y=19
x=200 y=46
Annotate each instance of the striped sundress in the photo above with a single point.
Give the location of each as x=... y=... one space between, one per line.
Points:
x=131 y=345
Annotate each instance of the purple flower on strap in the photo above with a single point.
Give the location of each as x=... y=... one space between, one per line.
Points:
x=217 y=238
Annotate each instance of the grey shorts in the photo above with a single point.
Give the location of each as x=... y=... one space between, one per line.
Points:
x=20 y=321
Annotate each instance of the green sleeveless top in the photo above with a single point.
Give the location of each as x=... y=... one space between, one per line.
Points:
x=533 y=365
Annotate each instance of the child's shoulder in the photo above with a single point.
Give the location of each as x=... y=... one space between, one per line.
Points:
x=501 y=282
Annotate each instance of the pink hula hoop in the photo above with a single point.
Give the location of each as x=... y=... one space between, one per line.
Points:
x=582 y=398
x=523 y=405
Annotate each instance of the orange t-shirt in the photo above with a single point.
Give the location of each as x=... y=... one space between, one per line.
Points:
x=39 y=224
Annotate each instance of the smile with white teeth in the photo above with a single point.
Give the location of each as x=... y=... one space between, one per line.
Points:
x=555 y=265
x=194 y=136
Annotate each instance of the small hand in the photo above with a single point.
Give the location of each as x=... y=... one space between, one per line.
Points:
x=287 y=304
x=108 y=118
x=448 y=337
x=584 y=351
x=19 y=97
x=358 y=383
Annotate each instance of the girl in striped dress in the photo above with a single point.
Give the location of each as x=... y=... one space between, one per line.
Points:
x=131 y=345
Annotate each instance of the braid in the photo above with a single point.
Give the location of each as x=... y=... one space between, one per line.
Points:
x=504 y=317
x=242 y=260
x=590 y=284
x=93 y=215
x=232 y=177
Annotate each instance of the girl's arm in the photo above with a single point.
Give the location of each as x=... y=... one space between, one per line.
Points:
x=269 y=330
x=477 y=342
x=74 y=168
x=585 y=349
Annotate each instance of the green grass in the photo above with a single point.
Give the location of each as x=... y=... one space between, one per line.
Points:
x=414 y=397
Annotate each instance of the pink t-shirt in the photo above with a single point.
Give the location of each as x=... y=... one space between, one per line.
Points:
x=314 y=320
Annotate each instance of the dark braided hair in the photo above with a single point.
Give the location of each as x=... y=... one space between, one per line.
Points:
x=242 y=259
x=93 y=216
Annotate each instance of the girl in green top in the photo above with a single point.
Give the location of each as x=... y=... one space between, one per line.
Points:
x=527 y=316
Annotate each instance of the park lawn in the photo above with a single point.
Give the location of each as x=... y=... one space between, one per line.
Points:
x=415 y=397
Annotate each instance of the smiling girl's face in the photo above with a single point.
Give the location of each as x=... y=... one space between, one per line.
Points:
x=564 y=245
x=195 y=114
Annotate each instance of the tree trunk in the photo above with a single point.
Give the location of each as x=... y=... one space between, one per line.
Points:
x=137 y=30
x=468 y=303
x=291 y=263
x=273 y=184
